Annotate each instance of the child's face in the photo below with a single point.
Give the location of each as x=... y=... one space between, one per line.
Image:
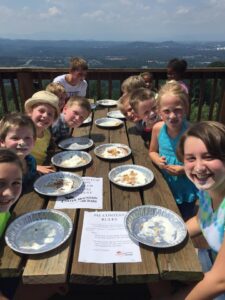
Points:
x=129 y=112
x=79 y=75
x=148 y=81
x=172 y=111
x=43 y=116
x=19 y=139
x=146 y=110
x=204 y=170
x=75 y=115
x=172 y=75
x=10 y=185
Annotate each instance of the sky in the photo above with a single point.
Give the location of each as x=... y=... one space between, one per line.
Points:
x=113 y=20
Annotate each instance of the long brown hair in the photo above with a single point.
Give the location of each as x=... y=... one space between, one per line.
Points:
x=212 y=135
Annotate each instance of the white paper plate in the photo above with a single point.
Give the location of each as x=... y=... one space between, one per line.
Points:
x=107 y=102
x=38 y=231
x=58 y=183
x=88 y=120
x=116 y=114
x=155 y=226
x=108 y=122
x=76 y=143
x=131 y=176
x=112 y=151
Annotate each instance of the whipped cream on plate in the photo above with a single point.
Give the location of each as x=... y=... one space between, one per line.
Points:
x=130 y=177
x=159 y=229
x=114 y=152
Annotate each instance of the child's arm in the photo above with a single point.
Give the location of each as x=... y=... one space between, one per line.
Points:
x=154 y=147
x=193 y=226
x=213 y=283
x=45 y=169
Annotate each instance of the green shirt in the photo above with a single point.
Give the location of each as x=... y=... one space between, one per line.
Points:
x=4 y=217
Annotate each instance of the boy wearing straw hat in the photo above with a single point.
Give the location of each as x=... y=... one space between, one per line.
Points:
x=43 y=109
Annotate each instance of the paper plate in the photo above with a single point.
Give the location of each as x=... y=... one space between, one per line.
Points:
x=131 y=176
x=76 y=143
x=58 y=183
x=155 y=226
x=39 y=231
x=107 y=102
x=88 y=120
x=112 y=151
x=116 y=114
x=108 y=122
x=71 y=159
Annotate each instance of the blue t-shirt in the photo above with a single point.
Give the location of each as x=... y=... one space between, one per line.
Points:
x=181 y=187
x=31 y=170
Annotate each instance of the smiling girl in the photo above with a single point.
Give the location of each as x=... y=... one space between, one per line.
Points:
x=172 y=107
x=202 y=148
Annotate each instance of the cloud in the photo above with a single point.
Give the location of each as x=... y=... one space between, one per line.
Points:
x=161 y=1
x=52 y=12
x=5 y=12
x=126 y=2
x=94 y=14
x=101 y=16
x=182 y=10
x=217 y=2
x=142 y=6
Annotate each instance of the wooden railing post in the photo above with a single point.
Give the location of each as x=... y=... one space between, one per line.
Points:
x=222 y=110
x=25 y=83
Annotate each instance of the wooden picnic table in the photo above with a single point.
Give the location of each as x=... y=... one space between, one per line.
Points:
x=61 y=265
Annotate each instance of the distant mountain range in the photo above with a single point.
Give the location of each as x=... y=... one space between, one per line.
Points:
x=99 y=54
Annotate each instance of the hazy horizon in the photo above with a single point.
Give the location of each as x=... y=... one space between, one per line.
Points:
x=112 y=41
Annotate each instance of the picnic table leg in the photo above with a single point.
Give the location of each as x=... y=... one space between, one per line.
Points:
x=40 y=291
x=161 y=288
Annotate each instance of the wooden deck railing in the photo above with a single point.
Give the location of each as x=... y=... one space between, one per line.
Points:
x=207 y=87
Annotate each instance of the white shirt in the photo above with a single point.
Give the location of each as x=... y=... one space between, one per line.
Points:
x=72 y=90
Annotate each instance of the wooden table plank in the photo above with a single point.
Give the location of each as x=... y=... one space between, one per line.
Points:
x=11 y=263
x=51 y=267
x=86 y=273
x=124 y=200
x=181 y=263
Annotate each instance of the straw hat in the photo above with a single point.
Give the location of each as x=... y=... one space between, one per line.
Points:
x=44 y=97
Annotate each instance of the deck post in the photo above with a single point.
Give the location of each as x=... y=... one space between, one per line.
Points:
x=222 y=110
x=25 y=83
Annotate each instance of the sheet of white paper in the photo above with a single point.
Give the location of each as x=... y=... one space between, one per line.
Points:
x=90 y=195
x=107 y=239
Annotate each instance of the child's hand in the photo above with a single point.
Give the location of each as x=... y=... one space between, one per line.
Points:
x=174 y=170
x=161 y=162
x=45 y=169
